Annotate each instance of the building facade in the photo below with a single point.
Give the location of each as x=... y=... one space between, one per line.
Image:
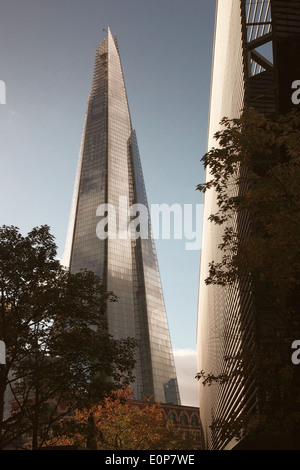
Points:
x=110 y=232
x=187 y=420
x=256 y=45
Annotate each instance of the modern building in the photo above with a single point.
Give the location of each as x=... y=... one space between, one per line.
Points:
x=255 y=62
x=109 y=230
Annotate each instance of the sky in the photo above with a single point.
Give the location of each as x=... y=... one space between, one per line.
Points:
x=47 y=50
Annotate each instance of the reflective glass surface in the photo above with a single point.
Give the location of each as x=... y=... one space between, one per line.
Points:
x=109 y=169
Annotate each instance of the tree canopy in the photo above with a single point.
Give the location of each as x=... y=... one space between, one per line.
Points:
x=255 y=173
x=120 y=423
x=59 y=353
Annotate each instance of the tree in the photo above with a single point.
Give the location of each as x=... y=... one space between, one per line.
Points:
x=60 y=355
x=120 y=423
x=255 y=173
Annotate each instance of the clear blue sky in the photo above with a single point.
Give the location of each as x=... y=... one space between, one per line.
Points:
x=47 y=52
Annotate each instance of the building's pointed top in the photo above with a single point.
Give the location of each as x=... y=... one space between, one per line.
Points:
x=107 y=30
x=111 y=37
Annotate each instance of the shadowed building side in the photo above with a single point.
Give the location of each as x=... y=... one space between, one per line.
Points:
x=255 y=61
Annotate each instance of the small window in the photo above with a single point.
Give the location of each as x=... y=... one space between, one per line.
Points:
x=195 y=420
x=183 y=419
x=172 y=417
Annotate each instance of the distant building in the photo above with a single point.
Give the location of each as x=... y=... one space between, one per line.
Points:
x=187 y=419
x=109 y=192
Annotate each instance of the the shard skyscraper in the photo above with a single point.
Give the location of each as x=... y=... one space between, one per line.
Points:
x=108 y=199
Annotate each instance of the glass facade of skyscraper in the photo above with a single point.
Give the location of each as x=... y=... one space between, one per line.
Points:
x=109 y=186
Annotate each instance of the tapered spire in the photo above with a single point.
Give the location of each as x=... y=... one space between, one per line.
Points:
x=109 y=182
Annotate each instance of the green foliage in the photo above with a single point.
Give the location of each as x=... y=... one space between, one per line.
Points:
x=255 y=174
x=59 y=352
